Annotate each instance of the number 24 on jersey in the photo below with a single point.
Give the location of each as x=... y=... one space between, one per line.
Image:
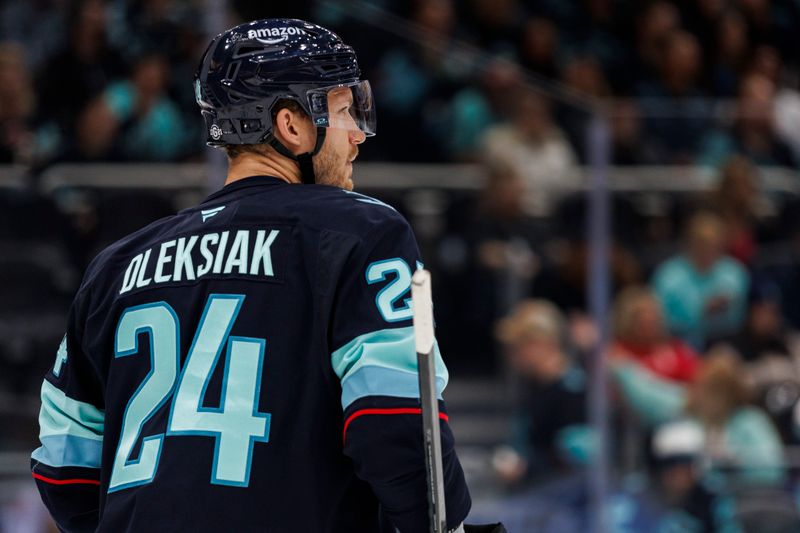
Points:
x=236 y=425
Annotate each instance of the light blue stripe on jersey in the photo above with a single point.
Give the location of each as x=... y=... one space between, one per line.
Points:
x=383 y=363
x=379 y=381
x=66 y=450
x=61 y=415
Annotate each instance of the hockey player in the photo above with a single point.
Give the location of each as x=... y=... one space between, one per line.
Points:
x=249 y=364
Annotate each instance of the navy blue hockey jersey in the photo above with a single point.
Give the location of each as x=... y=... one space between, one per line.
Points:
x=245 y=365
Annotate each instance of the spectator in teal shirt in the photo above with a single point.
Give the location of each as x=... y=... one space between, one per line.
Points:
x=703 y=292
x=151 y=125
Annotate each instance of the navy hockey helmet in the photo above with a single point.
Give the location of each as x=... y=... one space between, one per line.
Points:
x=247 y=69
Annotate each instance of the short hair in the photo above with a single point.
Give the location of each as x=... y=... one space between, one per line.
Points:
x=532 y=319
x=235 y=150
x=706 y=225
x=625 y=307
x=721 y=375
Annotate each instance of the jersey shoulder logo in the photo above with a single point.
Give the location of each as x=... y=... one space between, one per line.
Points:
x=208 y=213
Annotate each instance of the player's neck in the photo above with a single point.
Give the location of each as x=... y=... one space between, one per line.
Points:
x=269 y=164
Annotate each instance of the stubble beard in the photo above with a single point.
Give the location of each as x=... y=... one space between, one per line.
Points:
x=332 y=169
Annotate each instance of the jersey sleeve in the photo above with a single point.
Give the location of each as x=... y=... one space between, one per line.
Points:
x=66 y=466
x=375 y=361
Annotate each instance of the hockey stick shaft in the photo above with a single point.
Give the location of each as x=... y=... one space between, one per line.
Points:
x=424 y=337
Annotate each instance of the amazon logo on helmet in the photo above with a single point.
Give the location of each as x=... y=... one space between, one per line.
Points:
x=270 y=33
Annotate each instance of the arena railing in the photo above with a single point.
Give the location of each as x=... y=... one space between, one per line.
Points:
x=385 y=176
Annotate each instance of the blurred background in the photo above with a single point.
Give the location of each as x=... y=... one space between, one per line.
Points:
x=606 y=191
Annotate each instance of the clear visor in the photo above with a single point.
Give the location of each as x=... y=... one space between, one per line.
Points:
x=349 y=106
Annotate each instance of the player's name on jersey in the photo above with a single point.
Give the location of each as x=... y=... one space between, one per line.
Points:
x=244 y=252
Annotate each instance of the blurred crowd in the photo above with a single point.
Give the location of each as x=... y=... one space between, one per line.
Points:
x=96 y=80
x=682 y=81
x=703 y=351
x=689 y=81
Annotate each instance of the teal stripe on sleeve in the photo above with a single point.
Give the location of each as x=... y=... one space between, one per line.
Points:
x=61 y=415
x=383 y=363
x=380 y=381
x=66 y=450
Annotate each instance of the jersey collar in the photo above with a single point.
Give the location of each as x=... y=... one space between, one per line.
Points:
x=244 y=183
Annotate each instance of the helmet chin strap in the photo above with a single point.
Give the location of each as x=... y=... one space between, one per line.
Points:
x=303 y=160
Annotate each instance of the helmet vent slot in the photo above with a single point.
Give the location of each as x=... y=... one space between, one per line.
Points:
x=209 y=97
x=249 y=50
x=233 y=70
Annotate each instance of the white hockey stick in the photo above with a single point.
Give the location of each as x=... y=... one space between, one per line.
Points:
x=423 y=334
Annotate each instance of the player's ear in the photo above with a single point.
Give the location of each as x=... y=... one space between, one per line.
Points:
x=294 y=130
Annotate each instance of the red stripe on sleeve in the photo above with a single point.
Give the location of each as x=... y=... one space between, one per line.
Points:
x=385 y=411
x=65 y=481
